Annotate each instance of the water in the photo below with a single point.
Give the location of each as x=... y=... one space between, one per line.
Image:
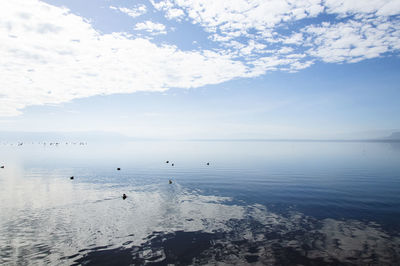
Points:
x=271 y=203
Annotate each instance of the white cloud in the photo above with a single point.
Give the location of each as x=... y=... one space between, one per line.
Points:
x=51 y=56
x=174 y=13
x=353 y=41
x=350 y=7
x=133 y=12
x=152 y=27
x=285 y=50
x=242 y=15
x=355 y=30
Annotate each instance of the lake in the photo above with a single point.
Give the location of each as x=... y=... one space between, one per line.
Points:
x=257 y=202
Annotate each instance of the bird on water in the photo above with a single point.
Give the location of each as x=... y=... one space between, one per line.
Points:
x=170 y=181
x=124 y=196
x=118 y=168
x=72 y=177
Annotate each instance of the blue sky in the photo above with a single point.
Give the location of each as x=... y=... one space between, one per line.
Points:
x=202 y=69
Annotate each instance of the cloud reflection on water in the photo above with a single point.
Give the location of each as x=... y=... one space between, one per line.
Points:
x=64 y=222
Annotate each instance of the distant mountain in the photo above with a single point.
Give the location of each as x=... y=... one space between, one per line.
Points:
x=13 y=136
x=394 y=136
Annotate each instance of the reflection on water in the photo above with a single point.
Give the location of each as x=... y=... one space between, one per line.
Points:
x=330 y=243
x=171 y=225
x=46 y=218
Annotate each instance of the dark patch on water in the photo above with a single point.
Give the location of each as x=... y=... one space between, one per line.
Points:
x=178 y=248
x=251 y=258
x=117 y=256
x=289 y=256
x=183 y=247
x=292 y=240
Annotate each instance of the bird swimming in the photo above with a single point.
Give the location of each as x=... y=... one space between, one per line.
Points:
x=2 y=166
x=118 y=168
x=172 y=164
x=124 y=196
x=208 y=163
x=72 y=177
x=170 y=181
x=167 y=162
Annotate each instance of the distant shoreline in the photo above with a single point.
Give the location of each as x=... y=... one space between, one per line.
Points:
x=94 y=136
x=208 y=140
x=298 y=140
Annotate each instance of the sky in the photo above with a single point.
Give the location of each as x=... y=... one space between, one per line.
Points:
x=201 y=69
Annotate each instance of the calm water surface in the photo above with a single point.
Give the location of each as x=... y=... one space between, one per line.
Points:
x=261 y=203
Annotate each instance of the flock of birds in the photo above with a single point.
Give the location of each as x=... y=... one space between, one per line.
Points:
x=49 y=143
x=124 y=196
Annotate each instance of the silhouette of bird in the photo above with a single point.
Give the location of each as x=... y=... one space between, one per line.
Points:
x=172 y=164
x=167 y=162
x=124 y=196
x=2 y=166
x=208 y=163
x=72 y=177
x=118 y=168
x=170 y=181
